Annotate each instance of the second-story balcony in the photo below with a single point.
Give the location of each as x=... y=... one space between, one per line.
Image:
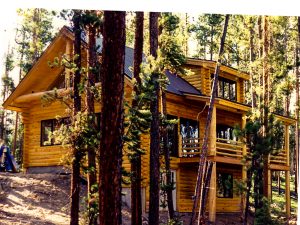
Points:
x=230 y=149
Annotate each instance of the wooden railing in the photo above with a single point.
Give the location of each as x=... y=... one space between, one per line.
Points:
x=190 y=147
x=279 y=158
x=229 y=148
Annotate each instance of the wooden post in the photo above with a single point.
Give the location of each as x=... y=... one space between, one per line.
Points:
x=213 y=134
x=69 y=55
x=287 y=194
x=244 y=168
x=287 y=173
x=213 y=195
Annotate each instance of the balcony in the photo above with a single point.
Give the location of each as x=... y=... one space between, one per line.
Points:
x=191 y=147
x=230 y=149
x=279 y=158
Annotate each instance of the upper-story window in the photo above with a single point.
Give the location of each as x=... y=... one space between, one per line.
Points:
x=227 y=89
x=225 y=132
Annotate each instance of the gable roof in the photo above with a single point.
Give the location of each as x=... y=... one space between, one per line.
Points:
x=177 y=85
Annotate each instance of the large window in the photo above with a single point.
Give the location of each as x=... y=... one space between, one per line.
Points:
x=224 y=185
x=227 y=89
x=173 y=137
x=189 y=131
x=225 y=132
x=49 y=126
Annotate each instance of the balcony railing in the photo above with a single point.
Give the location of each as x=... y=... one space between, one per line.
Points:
x=191 y=147
x=279 y=158
x=229 y=148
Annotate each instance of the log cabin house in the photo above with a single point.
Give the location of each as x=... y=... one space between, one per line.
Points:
x=187 y=100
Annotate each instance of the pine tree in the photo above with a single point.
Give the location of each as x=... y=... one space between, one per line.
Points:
x=32 y=36
x=136 y=170
x=111 y=143
x=76 y=154
x=154 y=129
x=8 y=87
x=91 y=20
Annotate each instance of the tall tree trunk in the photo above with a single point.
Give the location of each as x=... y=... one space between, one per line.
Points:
x=297 y=110
x=169 y=182
x=203 y=159
x=75 y=179
x=111 y=143
x=252 y=56
x=266 y=101
x=154 y=129
x=136 y=170
x=278 y=182
x=91 y=154
x=249 y=185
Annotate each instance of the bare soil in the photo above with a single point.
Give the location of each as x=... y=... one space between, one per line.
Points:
x=44 y=199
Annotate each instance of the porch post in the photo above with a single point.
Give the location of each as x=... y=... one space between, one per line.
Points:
x=287 y=172
x=212 y=195
x=244 y=167
x=213 y=134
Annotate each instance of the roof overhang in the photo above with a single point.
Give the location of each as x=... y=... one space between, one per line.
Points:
x=221 y=103
x=285 y=119
x=41 y=74
x=212 y=65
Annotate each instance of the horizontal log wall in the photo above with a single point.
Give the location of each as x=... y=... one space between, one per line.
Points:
x=186 y=180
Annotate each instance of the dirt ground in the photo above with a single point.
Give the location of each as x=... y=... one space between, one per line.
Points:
x=43 y=199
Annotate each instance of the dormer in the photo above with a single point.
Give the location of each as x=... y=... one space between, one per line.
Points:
x=231 y=84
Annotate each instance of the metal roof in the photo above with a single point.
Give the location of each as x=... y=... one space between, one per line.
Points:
x=177 y=85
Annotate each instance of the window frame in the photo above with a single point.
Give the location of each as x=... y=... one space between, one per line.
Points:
x=54 y=124
x=230 y=194
x=224 y=83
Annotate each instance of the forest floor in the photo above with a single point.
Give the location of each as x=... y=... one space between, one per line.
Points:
x=43 y=199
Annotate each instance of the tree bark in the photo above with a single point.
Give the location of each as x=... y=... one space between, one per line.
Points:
x=154 y=129
x=266 y=100
x=136 y=170
x=111 y=143
x=167 y=162
x=297 y=110
x=75 y=179
x=91 y=154
x=202 y=161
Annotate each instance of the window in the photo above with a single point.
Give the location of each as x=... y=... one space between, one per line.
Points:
x=224 y=185
x=227 y=89
x=225 y=132
x=49 y=126
x=173 y=137
x=189 y=131
x=189 y=128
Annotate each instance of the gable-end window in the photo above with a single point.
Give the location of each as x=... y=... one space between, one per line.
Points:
x=49 y=126
x=224 y=185
x=227 y=89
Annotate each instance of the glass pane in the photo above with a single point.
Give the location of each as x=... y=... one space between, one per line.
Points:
x=220 y=89
x=173 y=137
x=189 y=128
x=232 y=96
x=46 y=128
x=224 y=185
x=226 y=90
